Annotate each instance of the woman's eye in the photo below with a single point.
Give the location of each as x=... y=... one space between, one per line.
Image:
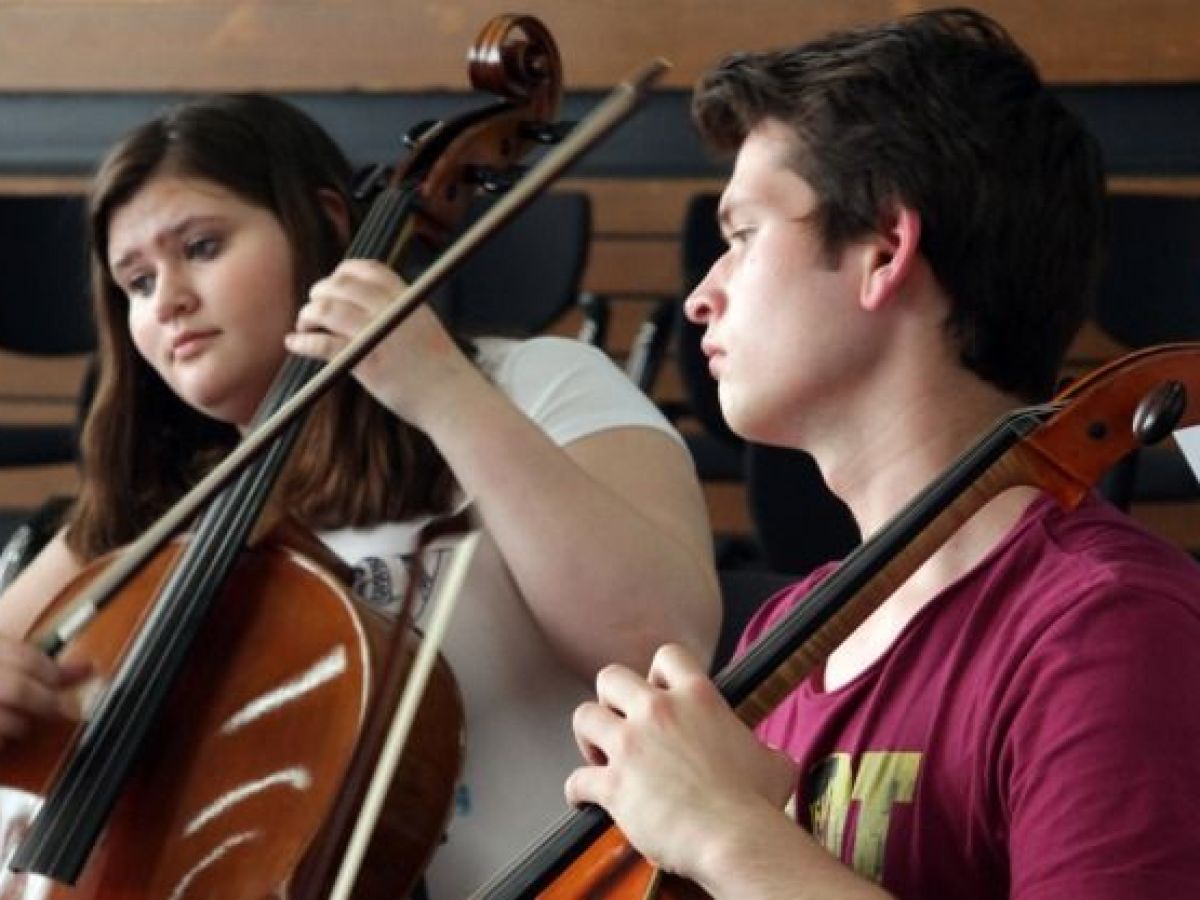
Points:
x=203 y=248
x=140 y=285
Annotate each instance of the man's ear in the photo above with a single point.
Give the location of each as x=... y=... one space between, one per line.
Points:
x=335 y=208
x=890 y=256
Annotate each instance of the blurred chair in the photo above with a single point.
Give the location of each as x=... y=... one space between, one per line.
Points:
x=596 y=312
x=799 y=523
x=528 y=275
x=45 y=313
x=651 y=344
x=1150 y=294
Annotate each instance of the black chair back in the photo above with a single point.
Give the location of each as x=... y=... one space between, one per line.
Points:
x=45 y=311
x=529 y=274
x=1150 y=294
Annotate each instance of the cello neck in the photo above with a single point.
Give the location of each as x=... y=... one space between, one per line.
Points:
x=79 y=802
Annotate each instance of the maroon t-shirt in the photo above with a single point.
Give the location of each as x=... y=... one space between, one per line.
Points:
x=1034 y=732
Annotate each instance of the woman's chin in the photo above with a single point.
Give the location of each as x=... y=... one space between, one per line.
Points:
x=220 y=408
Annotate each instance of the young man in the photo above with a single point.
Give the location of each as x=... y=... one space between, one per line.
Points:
x=913 y=224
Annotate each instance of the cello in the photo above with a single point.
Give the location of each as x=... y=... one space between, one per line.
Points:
x=164 y=791
x=1062 y=447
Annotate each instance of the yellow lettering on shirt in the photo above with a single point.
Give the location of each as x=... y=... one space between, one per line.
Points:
x=883 y=779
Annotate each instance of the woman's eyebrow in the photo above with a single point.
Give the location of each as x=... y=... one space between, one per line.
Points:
x=174 y=231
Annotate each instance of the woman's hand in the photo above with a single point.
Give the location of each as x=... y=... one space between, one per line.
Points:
x=33 y=686
x=626 y=494
x=414 y=371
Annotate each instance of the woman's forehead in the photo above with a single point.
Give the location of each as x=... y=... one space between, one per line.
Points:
x=163 y=206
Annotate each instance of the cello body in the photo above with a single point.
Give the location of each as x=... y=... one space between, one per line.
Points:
x=613 y=870
x=252 y=769
x=232 y=794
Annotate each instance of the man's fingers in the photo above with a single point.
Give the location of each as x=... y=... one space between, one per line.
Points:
x=588 y=784
x=595 y=728
x=620 y=688
x=674 y=664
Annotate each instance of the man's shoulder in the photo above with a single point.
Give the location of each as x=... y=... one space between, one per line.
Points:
x=1082 y=584
x=1096 y=546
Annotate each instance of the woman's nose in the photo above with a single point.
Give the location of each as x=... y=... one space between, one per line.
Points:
x=175 y=295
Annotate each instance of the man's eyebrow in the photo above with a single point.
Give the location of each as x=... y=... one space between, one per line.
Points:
x=725 y=211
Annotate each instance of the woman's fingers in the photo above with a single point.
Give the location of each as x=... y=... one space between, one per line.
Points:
x=33 y=684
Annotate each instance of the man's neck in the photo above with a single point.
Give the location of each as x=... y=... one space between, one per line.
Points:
x=957 y=557
x=878 y=461
x=879 y=457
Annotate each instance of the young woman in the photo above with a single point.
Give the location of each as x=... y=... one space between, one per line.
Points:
x=210 y=225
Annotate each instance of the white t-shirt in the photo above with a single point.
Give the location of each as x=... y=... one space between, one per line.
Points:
x=518 y=696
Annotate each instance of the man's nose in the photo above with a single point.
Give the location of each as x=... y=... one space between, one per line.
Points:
x=705 y=298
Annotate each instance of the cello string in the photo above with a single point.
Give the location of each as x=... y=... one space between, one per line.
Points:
x=620 y=103
x=218 y=537
x=87 y=785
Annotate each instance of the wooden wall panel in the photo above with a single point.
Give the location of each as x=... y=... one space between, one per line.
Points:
x=385 y=45
x=634 y=260
x=29 y=488
x=158 y=46
x=36 y=392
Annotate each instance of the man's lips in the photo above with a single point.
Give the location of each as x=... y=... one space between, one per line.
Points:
x=715 y=356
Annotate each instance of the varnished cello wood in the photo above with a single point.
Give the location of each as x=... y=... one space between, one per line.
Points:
x=252 y=751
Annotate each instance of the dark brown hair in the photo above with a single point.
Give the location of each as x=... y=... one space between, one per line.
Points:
x=355 y=464
x=942 y=112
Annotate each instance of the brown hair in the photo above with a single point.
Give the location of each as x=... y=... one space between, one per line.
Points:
x=355 y=464
x=943 y=112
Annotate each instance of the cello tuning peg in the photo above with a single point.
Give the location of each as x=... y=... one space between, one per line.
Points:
x=1159 y=412
x=417 y=133
x=497 y=181
x=546 y=132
